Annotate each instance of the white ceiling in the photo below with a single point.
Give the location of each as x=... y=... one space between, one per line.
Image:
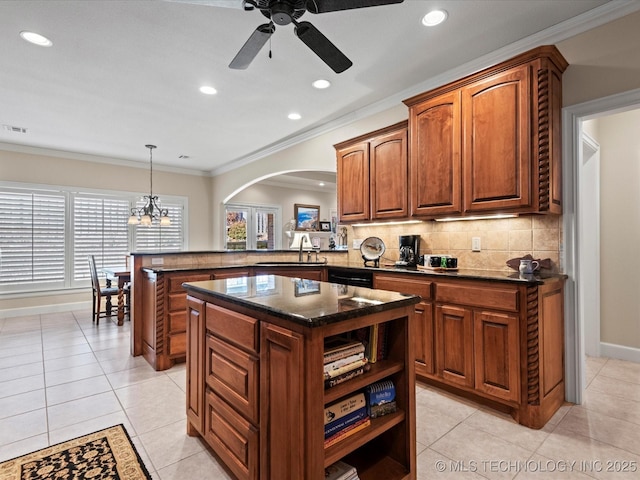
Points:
x=121 y=74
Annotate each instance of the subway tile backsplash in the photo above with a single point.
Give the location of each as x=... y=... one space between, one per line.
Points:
x=501 y=240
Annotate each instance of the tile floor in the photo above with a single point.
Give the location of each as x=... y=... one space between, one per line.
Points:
x=61 y=377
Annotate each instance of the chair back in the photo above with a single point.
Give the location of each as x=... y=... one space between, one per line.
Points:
x=95 y=283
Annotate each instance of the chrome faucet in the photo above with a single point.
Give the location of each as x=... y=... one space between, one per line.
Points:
x=302 y=240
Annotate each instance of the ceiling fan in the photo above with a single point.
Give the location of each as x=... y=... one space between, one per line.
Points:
x=284 y=12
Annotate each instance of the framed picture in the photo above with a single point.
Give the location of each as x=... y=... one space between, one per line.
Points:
x=325 y=226
x=306 y=287
x=307 y=217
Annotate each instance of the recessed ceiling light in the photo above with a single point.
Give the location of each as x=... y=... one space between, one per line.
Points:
x=294 y=116
x=208 y=90
x=321 y=184
x=36 y=38
x=434 y=17
x=321 y=83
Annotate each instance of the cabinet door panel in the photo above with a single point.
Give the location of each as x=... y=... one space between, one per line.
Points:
x=455 y=344
x=423 y=338
x=497 y=355
x=435 y=156
x=195 y=362
x=353 y=182
x=388 y=164
x=496 y=142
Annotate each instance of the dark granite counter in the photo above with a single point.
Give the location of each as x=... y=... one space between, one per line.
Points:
x=306 y=302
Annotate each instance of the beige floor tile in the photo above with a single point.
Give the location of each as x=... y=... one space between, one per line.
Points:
x=592 y=457
x=472 y=445
x=613 y=406
x=593 y=365
x=126 y=362
x=504 y=426
x=68 y=362
x=22 y=403
x=170 y=444
x=21 y=385
x=178 y=373
x=66 y=351
x=539 y=467
x=81 y=410
x=91 y=425
x=19 y=350
x=202 y=466
x=146 y=418
x=455 y=407
x=144 y=456
x=19 y=360
x=72 y=374
x=77 y=389
x=433 y=465
x=27 y=370
x=627 y=371
x=22 y=447
x=154 y=391
x=24 y=425
x=432 y=425
x=615 y=387
x=560 y=413
x=603 y=428
x=132 y=376
x=20 y=340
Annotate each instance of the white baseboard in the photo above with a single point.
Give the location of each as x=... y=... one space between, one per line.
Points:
x=44 y=309
x=620 y=352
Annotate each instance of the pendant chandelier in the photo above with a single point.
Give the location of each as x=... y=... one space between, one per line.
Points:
x=152 y=210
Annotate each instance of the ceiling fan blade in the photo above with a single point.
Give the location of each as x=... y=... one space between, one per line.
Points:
x=323 y=6
x=322 y=47
x=252 y=46
x=212 y=3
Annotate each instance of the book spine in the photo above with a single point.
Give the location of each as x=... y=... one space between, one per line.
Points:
x=334 y=355
x=343 y=378
x=336 y=426
x=343 y=361
x=381 y=392
x=345 y=368
x=373 y=343
x=347 y=432
x=343 y=407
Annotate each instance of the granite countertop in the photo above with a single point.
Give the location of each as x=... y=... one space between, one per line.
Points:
x=306 y=302
x=466 y=273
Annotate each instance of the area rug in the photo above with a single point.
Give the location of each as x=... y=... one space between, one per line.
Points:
x=106 y=454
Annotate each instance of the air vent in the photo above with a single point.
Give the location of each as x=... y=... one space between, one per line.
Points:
x=184 y=157
x=14 y=129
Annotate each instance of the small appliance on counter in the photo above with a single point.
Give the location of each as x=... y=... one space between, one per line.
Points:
x=409 y=250
x=372 y=248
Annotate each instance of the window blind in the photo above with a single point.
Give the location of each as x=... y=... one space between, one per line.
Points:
x=158 y=238
x=32 y=237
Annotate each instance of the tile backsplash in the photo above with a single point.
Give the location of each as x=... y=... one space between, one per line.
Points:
x=500 y=240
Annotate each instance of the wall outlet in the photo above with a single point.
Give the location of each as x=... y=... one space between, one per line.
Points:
x=356 y=243
x=475 y=244
x=157 y=261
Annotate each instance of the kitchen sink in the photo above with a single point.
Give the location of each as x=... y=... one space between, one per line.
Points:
x=299 y=264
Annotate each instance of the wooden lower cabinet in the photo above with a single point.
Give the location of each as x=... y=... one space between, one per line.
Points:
x=228 y=345
x=501 y=343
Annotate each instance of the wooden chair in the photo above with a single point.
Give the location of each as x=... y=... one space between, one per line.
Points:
x=98 y=292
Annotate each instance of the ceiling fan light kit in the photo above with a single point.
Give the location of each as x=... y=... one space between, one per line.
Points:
x=284 y=12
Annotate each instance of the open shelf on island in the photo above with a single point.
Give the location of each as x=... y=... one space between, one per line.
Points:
x=378 y=371
x=349 y=444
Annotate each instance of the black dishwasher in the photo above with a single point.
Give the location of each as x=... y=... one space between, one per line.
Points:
x=346 y=276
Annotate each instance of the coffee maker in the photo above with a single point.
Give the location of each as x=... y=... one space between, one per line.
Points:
x=409 y=250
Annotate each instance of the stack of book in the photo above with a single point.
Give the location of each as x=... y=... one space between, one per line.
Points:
x=343 y=360
x=344 y=418
x=340 y=471
x=375 y=340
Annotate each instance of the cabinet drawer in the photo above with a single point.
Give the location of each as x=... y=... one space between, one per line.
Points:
x=177 y=302
x=233 y=374
x=233 y=438
x=177 y=322
x=175 y=283
x=500 y=298
x=397 y=283
x=177 y=344
x=234 y=327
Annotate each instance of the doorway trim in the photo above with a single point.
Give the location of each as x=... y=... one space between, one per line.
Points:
x=571 y=258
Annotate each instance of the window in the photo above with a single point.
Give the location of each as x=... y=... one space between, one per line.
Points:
x=250 y=227
x=46 y=235
x=32 y=238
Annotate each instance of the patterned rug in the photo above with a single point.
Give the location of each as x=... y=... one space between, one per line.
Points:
x=106 y=454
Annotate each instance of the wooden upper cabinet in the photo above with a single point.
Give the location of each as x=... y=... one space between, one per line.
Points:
x=353 y=182
x=501 y=127
x=496 y=142
x=372 y=175
x=435 y=156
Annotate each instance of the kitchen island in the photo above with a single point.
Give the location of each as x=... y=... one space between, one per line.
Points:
x=255 y=386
